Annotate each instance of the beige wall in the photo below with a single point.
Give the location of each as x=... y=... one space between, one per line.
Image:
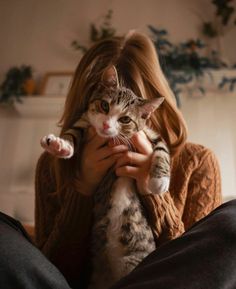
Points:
x=39 y=33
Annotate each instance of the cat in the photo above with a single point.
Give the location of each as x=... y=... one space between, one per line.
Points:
x=121 y=236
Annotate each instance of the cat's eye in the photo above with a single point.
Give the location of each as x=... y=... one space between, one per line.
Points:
x=125 y=119
x=104 y=106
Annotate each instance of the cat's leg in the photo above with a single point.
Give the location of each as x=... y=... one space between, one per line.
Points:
x=130 y=262
x=160 y=169
x=159 y=185
x=57 y=146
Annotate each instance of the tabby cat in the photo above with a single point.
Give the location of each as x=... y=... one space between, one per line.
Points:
x=121 y=236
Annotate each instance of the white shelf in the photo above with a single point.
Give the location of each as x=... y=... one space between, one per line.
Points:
x=40 y=106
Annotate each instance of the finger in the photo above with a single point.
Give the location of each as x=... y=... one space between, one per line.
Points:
x=62 y=153
x=106 y=152
x=131 y=158
x=142 y=143
x=127 y=171
x=109 y=162
x=112 y=142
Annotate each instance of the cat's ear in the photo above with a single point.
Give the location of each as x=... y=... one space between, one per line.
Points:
x=149 y=106
x=110 y=77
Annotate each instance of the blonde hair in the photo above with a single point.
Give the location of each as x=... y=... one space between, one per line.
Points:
x=138 y=67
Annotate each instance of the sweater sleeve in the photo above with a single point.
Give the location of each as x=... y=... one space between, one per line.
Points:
x=61 y=225
x=204 y=188
x=200 y=191
x=164 y=217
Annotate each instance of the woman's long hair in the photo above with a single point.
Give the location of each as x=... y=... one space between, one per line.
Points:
x=138 y=67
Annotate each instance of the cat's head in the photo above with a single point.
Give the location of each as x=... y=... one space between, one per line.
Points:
x=115 y=111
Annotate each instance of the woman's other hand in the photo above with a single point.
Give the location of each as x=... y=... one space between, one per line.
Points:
x=137 y=164
x=96 y=158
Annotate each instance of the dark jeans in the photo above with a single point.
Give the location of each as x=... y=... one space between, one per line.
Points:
x=202 y=258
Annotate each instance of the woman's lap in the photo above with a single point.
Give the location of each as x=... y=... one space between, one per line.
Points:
x=203 y=257
x=22 y=265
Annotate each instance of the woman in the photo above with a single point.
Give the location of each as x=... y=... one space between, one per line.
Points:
x=64 y=189
x=62 y=226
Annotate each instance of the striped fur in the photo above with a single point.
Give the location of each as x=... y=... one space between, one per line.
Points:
x=121 y=236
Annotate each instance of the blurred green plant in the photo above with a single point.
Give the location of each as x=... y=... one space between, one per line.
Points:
x=229 y=82
x=183 y=63
x=13 y=89
x=225 y=18
x=97 y=33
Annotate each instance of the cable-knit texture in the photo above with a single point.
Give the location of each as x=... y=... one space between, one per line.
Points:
x=62 y=227
x=195 y=190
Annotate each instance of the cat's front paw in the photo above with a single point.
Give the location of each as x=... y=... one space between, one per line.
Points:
x=159 y=185
x=57 y=146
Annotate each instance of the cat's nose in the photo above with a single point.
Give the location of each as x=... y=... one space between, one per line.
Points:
x=105 y=125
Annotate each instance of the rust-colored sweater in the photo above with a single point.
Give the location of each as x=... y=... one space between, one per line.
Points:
x=63 y=220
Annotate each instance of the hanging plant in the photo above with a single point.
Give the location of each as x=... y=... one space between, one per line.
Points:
x=16 y=84
x=229 y=82
x=97 y=33
x=225 y=19
x=183 y=63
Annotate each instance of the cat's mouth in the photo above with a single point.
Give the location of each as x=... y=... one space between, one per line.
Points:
x=106 y=134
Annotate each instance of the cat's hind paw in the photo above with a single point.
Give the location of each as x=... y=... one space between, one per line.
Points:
x=57 y=146
x=159 y=185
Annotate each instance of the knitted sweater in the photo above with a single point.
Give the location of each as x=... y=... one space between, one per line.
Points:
x=63 y=220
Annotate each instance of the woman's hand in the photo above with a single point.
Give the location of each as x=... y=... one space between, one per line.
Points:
x=137 y=164
x=96 y=158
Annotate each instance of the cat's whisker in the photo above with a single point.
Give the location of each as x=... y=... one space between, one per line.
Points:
x=132 y=145
x=113 y=140
x=121 y=139
x=129 y=142
x=126 y=141
x=116 y=140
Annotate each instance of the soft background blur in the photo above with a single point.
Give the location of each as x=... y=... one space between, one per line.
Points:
x=39 y=33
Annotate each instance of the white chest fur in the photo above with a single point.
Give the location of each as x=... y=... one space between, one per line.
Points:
x=122 y=191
